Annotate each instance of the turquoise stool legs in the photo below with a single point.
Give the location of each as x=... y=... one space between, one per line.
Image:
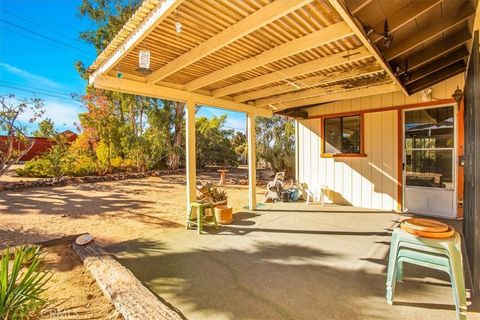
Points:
x=440 y=254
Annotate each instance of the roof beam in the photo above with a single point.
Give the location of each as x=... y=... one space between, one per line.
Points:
x=315 y=39
x=358 y=29
x=404 y=16
x=428 y=33
x=156 y=91
x=436 y=77
x=343 y=95
x=436 y=51
x=255 y=21
x=360 y=6
x=312 y=92
x=439 y=64
x=295 y=71
x=156 y=16
x=306 y=83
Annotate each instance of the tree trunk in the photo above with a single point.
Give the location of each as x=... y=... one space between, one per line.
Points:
x=174 y=157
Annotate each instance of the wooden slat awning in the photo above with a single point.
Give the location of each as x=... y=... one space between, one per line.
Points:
x=264 y=56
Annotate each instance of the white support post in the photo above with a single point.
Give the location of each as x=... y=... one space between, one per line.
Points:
x=190 y=153
x=252 y=162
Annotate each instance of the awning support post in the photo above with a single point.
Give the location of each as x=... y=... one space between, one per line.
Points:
x=252 y=162
x=190 y=148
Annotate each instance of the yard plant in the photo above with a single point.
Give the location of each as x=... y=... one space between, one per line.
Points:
x=22 y=282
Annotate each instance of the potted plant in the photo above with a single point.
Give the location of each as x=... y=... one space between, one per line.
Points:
x=209 y=192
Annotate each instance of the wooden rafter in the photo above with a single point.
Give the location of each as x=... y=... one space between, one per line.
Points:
x=428 y=33
x=358 y=29
x=438 y=50
x=439 y=64
x=438 y=76
x=404 y=16
x=295 y=71
x=343 y=95
x=315 y=39
x=313 y=92
x=306 y=83
x=255 y=21
x=360 y=6
x=156 y=91
x=300 y=94
x=154 y=18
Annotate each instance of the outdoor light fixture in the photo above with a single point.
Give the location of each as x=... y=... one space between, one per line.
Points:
x=178 y=23
x=144 y=62
x=457 y=95
x=178 y=27
x=387 y=37
x=426 y=95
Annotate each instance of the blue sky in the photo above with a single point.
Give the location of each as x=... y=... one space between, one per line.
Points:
x=39 y=45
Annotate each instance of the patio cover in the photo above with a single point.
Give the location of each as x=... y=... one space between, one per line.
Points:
x=263 y=57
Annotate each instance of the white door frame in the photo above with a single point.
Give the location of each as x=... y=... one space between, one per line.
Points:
x=454 y=158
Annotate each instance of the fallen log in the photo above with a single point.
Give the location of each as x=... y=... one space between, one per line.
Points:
x=129 y=296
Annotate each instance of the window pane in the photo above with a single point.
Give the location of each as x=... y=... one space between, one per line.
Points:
x=351 y=135
x=429 y=128
x=429 y=168
x=333 y=135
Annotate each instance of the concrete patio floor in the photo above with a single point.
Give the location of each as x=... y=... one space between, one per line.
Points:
x=287 y=261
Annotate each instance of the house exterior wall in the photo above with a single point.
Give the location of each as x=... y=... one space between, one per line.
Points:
x=375 y=180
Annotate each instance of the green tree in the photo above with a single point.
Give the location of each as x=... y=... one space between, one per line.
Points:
x=239 y=143
x=45 y=129
x=276 y=143
x=214 y=143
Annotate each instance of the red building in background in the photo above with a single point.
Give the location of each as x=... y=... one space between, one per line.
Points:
x=40 y=145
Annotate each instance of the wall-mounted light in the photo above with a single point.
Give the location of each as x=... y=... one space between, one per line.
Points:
x=458 y=95
x=426 y=95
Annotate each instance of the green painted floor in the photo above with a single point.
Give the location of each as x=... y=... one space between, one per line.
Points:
x=287 y=261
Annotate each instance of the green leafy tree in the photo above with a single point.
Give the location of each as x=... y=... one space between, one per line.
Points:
x=276 y=143
x=214 y=143
x=45 y=129
x=239 y=143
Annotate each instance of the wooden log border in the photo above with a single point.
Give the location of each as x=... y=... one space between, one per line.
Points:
x=129 y=296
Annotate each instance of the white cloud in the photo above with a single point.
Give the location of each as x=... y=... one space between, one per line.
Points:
x=31 y=77
x=63 y=113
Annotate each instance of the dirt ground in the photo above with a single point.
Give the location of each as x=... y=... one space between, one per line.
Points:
x=110 y=211
x=73 y=291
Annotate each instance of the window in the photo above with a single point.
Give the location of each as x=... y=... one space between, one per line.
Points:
x=342 y=135
x=429 y=148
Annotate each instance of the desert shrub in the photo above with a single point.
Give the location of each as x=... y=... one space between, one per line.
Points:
x=82 y=165
x=22 y=283
x=37 y=167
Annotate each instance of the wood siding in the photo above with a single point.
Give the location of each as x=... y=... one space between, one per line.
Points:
x=371 y=181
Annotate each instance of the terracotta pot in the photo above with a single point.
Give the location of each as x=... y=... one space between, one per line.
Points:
x=224 y=214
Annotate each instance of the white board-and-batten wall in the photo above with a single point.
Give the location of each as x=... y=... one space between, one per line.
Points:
x=367 y=182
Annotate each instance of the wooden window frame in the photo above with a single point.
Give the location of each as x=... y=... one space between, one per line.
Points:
x=361 y=154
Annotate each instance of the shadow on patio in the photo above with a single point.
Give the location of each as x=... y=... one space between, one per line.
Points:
x=305 y=265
